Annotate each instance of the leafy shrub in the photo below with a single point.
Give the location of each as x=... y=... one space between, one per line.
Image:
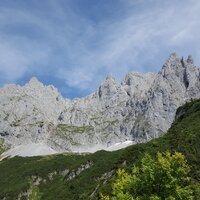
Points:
x=163 y=178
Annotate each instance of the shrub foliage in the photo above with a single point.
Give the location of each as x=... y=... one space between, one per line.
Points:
x=163 y=178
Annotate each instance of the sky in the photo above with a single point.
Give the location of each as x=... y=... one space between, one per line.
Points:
x=75 y=44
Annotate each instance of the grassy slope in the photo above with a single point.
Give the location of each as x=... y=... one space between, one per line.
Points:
x=2 y=149
x=183 y=136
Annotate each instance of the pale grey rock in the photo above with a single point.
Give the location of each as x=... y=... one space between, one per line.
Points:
x=138 y=109
x=190 y=60
x=74 y=173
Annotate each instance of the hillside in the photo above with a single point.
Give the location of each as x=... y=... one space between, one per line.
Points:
x=71 y=176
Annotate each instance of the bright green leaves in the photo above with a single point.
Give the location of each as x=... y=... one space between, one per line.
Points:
x=162 y=178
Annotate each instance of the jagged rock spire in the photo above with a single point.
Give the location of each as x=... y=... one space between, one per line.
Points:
x=34 y=79
x=173 y=55
x=172 y=64
x=108 y=86
x=34 y=82
x=110 y=77
x=190 y=60
x=172 y=58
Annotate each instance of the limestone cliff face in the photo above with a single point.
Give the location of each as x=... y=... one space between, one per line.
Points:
x=139 y=108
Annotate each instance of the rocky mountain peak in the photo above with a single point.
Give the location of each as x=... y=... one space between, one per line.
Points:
x=34 y=83
x=190 y=60
x=172 y=61
x=110 y=77
x=108 y=86
x=174 y=66
x=173 y=56
x=110 y=80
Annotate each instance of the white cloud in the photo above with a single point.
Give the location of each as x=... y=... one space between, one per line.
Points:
x=144 y=33
x=76 y=78
x=129 y=44
x=16 y=60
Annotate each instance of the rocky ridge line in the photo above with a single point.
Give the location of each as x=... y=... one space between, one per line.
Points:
x=138 y=109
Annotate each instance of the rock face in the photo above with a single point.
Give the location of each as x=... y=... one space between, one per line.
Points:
x=138 y=109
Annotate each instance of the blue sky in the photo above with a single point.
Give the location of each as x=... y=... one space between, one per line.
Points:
x=74 y=44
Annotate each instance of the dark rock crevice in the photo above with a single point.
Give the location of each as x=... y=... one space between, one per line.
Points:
x=185 y=77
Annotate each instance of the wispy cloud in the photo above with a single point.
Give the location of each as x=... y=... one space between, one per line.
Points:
x=80 y=45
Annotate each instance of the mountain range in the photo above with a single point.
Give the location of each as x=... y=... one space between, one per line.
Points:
x=35 y=119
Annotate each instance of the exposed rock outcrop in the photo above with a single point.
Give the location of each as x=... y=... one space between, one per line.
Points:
x=139 y=108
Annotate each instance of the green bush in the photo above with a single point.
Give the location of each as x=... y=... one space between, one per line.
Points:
x=163 y=178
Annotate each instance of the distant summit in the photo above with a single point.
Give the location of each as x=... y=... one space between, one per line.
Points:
x=34 y=82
